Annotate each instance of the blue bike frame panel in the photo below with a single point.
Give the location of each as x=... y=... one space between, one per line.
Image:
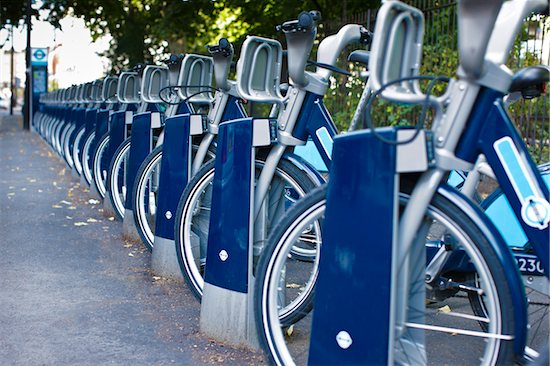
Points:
x=491 y=132
x=140 y=147
x=78 y=120
x=315 y=121
x=174 y=172
x=356 y=260
x=101 y=127
x=229 y=236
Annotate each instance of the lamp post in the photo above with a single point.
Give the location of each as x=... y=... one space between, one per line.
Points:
x=12 y=88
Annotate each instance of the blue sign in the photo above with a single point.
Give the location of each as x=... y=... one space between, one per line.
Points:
x=39 y=56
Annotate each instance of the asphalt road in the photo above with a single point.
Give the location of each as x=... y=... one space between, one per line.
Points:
x=72 y=291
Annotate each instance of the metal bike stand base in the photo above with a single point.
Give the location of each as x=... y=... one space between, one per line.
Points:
x=164 y=261
x=83 y=182
x=74 y=174
x=227 y=316
x=94 y=193
x=175 y=169
x=108 y=209
x=129 y=229
x=226 y=310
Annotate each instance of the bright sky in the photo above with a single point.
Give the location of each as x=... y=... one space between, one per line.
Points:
x=78 y=55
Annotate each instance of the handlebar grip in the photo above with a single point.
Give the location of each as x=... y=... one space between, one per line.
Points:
x=173 y=59
x=223 y=47
x=224 y=44
x=138 y=68
x=307 y=20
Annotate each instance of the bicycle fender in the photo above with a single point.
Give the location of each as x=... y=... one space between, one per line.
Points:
x=504 y=255
x=306 y=167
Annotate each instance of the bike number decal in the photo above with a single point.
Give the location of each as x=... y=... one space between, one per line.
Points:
x=325 y=139
x=530 y=266
x=535 y=209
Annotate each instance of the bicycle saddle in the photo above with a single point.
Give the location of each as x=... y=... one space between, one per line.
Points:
x=530 y=81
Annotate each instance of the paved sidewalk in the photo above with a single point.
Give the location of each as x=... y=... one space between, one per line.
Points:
x=72 y=292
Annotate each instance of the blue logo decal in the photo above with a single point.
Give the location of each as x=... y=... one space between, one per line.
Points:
x=535 y=209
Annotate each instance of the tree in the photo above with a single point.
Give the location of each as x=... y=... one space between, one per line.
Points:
x=144 y=30
x=12 y=11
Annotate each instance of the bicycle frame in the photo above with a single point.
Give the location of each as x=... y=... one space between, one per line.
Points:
x=313 y=121
x=487 y=130
x=499 y=141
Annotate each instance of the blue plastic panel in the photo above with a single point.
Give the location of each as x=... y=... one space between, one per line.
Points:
x=351 y=317
x=90 y=118
x=116 y=133
x=79 y=120
x=101 y=127
x=234 y=109
x=174 y=172
x=229 y=229
x=140 y=147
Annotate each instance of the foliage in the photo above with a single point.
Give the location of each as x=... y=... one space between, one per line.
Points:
x=147 y=30
x=11 y=12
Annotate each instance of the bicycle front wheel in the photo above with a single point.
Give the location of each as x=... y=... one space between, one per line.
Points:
x=443 y=321
x=86 y=158
x=193 y=214
x=116 y=178
x=100 y=165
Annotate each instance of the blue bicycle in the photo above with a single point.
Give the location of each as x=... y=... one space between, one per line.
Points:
x=457 y=294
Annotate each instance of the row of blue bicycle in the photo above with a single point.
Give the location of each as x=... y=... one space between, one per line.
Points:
x=414 y=269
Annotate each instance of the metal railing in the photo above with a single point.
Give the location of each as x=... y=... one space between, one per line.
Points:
x=440 y=58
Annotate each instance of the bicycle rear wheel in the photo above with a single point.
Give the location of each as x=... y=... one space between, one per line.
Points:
x=284 y=292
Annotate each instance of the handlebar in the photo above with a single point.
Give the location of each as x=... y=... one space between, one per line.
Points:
x=139 y=68
x=306 y=21
x=222 y=54
x=173 y=59
x=300 y=34
x=223 y=47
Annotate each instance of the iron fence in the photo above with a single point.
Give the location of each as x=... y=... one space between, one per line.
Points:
x=440 y=57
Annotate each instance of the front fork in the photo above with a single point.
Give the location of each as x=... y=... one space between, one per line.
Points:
x=409 y=256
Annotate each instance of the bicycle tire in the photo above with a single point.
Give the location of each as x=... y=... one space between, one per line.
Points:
x=198 y=188
x=67 y=147
x=62 y=140
x=99 y=175
x=145 y=219
x=538 y=302
x=115 y=178
x=76 y=149
x=273 y=272
x=85 y=158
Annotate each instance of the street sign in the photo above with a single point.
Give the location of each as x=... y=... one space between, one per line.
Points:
x=39 y=56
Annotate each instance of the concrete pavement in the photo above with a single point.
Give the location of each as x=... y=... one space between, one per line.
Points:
x=72 y=292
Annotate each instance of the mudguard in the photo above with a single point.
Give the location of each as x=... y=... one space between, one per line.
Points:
x=305 y=166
